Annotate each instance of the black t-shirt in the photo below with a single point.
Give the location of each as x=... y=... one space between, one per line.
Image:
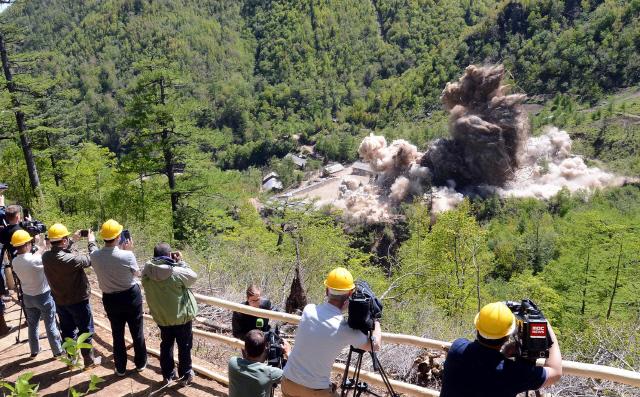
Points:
x=242 y=323
x=5 y=240
x=473 y=370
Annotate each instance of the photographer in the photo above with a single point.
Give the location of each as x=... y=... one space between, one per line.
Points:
x=322 y=334
x=11 y=223
x=38 y=302
x=4 y=291
x=117 y=272
x=13 y=217
x=249 y=375
x=65 y=271
x=166 y=280
x=242 y=323
x=479 y=368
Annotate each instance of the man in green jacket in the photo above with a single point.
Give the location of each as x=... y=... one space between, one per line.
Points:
x=166 y=280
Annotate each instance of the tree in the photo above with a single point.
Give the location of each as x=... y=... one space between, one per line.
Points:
x=451 y=262
x=159 y=125
x=14 y=91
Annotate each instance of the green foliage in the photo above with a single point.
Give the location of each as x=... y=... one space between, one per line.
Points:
x=21 y=387
x=73 y=348
x=450 y=263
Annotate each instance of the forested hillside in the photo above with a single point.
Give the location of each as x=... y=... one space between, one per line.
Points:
x=165 y=114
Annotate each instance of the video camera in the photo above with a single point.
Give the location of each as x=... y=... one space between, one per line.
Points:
x=33 y=227
x=364 y=308
x=532 y=337
x=275 y=348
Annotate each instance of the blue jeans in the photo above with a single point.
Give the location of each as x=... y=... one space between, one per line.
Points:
x=42 y=307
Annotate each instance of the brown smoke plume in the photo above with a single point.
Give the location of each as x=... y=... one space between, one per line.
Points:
x=488 y=129
x=489 y=151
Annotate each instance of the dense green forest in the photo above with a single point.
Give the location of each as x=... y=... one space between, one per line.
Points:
x=165 y=114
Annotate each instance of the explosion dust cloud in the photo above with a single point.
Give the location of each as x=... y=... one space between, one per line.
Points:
x=489 y=151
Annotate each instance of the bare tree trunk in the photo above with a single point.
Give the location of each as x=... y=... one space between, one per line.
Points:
x=477 y=266
x=56 y=173
x=586 y=281
x=615 y=283
x=20 y=119
x=169 y=166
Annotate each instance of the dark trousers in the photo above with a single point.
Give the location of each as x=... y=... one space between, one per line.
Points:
x=126 y=308
x=76 y=319
x=183 y=336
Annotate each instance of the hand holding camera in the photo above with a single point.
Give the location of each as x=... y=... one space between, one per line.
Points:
x=533 y=336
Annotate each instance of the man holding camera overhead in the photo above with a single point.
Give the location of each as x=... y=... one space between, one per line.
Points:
x=480 y=368
x=117 y=271
x=64 y=268
x=166 y=280
x=321 y=336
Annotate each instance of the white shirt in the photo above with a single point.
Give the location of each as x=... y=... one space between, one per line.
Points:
x=30 y=271
x=321 y=336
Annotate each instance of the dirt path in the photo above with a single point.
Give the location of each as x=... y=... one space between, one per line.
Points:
x=52 y=375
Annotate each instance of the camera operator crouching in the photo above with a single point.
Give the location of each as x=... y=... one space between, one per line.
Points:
x=322 y=334
x=483 y=368
x=249 y=375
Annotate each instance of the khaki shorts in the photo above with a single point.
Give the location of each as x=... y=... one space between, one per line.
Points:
x=291 y=389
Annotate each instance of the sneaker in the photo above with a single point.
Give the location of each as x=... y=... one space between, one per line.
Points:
x=121 y=374
x=140 y=369
x=171 y=378
x=34 y=355
x=187 y=378
x=97 y=360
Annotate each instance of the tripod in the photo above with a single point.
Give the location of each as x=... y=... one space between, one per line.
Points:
x=18 y=285
x=360 y=387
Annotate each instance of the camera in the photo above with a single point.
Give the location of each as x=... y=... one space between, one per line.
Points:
x=364 y=308
x=33 y=227
x=275 y=348
x=124 y=236
x=532 y=330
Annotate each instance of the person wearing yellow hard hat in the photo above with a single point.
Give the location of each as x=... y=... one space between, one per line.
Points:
x=64 y=268
x=321 y=336
x=117 y=271
x=36 y=293
x=484 y=367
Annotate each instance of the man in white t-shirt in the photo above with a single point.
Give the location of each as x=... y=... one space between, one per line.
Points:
x=38 y=302
x=321 y=336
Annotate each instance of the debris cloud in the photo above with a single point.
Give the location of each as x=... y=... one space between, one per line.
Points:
x=489 y=151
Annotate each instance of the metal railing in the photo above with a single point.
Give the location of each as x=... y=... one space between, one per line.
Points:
x=572 y=368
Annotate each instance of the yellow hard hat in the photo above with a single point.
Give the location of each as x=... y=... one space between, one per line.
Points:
x=340 y=279
x=495 y=321
x=110 y=230
x=20 y=238
x=57 y=232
